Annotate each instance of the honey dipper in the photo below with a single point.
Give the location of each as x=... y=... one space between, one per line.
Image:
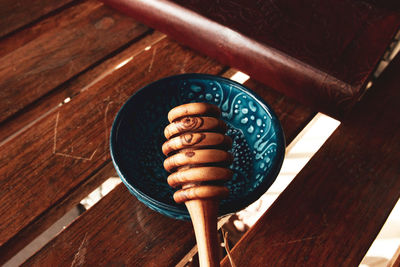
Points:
x=197 y=157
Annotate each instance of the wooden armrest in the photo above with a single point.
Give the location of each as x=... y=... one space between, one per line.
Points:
x=320 y=53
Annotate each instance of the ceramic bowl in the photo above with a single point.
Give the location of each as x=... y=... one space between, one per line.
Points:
x=137 y=136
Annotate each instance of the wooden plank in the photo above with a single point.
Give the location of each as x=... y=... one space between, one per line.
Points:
x=142 y=234
x=59 y=209
x=78 y=38
x=45 y=107
x=119 y=231
x=43 y=163
x=15 y=14
x=330 y=214
x=69 y=90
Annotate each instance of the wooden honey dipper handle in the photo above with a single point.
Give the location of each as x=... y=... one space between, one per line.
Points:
x=198 y=160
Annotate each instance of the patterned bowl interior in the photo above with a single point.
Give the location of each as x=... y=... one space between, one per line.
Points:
x=137 y=136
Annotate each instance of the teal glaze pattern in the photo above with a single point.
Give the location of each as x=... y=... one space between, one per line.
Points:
x=137 y=136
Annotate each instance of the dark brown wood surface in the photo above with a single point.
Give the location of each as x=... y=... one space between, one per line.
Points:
x=15 y=14
x=72 y=88
x=320 y=53
x=56 y=211
x=54 y=152
x=46 y=162
x=78 y=38
x=118 y=231
x=347 y=48
x=330 y=214
x=135 y=250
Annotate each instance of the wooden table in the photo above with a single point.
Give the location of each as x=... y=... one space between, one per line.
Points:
x=66 y=67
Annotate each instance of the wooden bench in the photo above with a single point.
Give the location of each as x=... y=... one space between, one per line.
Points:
x=68 y=67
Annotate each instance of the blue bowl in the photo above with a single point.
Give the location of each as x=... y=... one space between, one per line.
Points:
x=137 y=136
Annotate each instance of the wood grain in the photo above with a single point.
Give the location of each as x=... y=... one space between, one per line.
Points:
x=200 y=197
x=194 y=124
x=51 y=101
x=136 y=249
x=203 y=213
x=330 y=214
x=304 y=30
x=59 y=209
x=79 y=37
x=300 y=48
x=196 y=140
x=15 y=14
x=44 y=162
x=118 y=231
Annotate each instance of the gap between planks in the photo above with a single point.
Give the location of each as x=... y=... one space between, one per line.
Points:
x=29 y=118
x=114 y=65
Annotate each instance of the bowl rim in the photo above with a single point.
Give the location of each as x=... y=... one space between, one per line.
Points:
x=173 y=211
